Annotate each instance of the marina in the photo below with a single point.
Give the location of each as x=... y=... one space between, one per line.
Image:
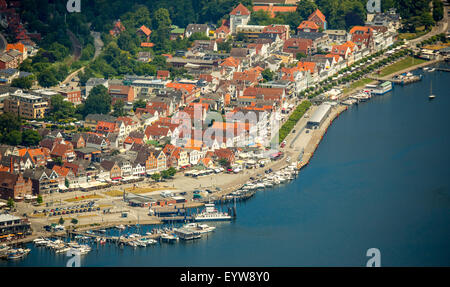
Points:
x=314 y=186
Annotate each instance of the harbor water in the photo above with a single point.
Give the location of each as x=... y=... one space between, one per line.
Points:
x=379 y=179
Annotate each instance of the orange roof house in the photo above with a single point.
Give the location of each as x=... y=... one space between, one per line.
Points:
x=362 y=36
x=222 y=32
x=178 y=86
x=308 y=66
x=318 y=18
x=106 y=127
x=17 y=46
x=298 y=45
x=144 y=30
x=230 y=62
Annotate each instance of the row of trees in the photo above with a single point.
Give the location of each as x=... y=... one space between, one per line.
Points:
x=293 y=119
x=329 y=83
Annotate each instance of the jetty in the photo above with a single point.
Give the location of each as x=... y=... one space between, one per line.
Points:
x=112 y=239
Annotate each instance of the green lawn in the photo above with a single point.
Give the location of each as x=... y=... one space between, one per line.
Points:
x=357 y=84
x=401 y=65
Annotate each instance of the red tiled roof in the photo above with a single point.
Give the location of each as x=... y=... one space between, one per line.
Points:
x=308 y=66
x=146 y=30
x=162 y=74
x=17 y=46
x=61 y=170
x=240 y=10
x=230 y=62
x=319 y=14
x=178 y=86
x=156 y=131
x=147 y=44
x=105 y=126
x=223 y=29
x=308 y=25
x=364 y=29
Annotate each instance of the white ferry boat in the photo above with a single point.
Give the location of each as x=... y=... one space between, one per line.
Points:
x=212 y=214
x=380 y=89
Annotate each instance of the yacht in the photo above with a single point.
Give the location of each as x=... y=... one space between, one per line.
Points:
x=169 y=238
x=211 y=214
x=202 y=228
x=431 y=96
x=432 y=70
x=17 y=253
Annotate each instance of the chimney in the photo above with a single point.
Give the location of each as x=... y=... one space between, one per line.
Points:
x=11 y=166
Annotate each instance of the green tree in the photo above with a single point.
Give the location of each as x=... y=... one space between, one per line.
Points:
x=87 y=52
x=126 y=42
x=61 y=221
x=39 y=199
x=161 y=34
x=118 y=108
x=13 y=138
x=165 y=174
x=300 y=55
x=10 y=203
x=66 y=182
x=9 y=122
x=58 y=161
x=98 y=101
x=224 y=162
x=74 y=221
x=30 y=137
x=172 y=171
x=23 y=83
x=60 y=109
x=155 y=176
x=306 y=8
x=438 y=10
x=47 y=78
x=267 y=75
x=139 y=104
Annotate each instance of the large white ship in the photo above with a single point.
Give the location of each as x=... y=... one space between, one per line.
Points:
x=212 y=214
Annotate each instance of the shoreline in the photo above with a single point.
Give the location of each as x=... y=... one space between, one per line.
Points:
x=237 y=180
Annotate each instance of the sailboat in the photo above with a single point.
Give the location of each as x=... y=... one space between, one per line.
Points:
x=431 y=96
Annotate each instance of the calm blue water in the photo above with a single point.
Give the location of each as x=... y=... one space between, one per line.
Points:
x=380 y=178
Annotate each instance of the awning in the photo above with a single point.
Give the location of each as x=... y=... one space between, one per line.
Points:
x=116 y=178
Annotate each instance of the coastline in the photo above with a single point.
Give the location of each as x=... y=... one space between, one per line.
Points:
x=227 y=183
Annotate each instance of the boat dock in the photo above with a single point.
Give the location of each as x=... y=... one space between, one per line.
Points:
x=113 y=239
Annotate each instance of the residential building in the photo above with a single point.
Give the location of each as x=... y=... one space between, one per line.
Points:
x=26 y=106
x=240 y=15
x=120 y=92
x=197 y=28
x=14 y=186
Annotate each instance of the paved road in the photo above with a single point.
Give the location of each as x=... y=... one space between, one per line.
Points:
x=440 y=28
